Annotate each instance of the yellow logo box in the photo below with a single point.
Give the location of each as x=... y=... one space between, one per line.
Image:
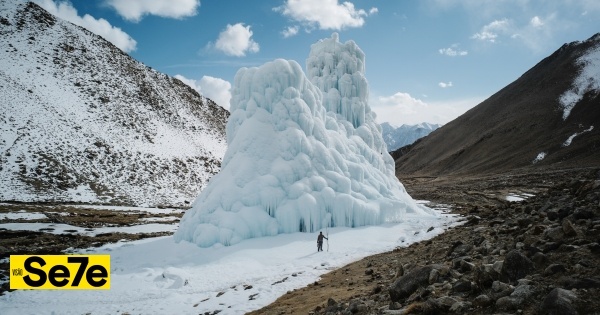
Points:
x=60 y=272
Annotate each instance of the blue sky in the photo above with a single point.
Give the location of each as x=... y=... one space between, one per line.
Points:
x=428 y=60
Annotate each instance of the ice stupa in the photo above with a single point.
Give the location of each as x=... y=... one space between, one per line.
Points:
x=303 y=154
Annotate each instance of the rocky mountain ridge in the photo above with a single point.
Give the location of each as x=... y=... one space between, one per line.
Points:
x=84 y=122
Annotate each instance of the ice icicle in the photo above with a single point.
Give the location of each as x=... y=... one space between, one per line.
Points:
x=302 y=154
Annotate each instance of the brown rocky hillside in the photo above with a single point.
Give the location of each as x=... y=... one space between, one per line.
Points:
x=512 y=127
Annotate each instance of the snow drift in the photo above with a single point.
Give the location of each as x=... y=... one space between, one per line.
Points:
x=302 y=154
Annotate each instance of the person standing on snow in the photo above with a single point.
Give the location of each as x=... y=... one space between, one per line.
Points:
x=320 y=241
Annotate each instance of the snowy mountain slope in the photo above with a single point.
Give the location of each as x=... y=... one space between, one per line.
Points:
x=397 y=137
x=304 y=153
x=81 y=121
x=547 y=118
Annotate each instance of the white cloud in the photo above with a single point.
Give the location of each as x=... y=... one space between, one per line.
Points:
x=453 y=51
x=134 y=10
x=216 y=89
x=402 y=108
x=536 y=22
x=327 y=14
x=290 y=31
x=236 y=40
x=101 y=27
x=444 y=85
x=491 y=31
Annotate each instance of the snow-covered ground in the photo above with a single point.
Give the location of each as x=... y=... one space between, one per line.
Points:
x=159 y=276
x=516 y=197
x=57 y=228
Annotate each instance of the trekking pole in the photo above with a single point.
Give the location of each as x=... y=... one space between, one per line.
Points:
x=327 y=232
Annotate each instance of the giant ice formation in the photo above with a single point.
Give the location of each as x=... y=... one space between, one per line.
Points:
x=302 y=154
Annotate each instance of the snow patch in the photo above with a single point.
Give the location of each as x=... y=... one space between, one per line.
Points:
x=516 y=197
x=539 y=157
x=588 y=80
x=570 y=139
x=58 y=229
x=83 y=193
x=22 y=215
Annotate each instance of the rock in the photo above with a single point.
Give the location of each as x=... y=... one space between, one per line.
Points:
x=462 y=285
x=460 y=307
x=485 y=275
x=443 y=269
x=498 y=266
x=565 y=211
x=519 y=245
x=482 y=301
x=523 y=292
x=550 y=246
x=399 y=271
x=558 y=302
x=499 y=286
x=356 y=306
x=406 y=285
x=500 y=289
x=524 y=222
x=539 y=259
x=516 y=266
x=507 y=303
x=568 y=228
x=331 y=302
x=583 y=213
x=393 y=312
x=461 y=250
x=555 y=234
x=376 y=290
x=446 y=301
x=465 y=266
x=434 y=276
x=538 y=229
x=552 y=215
x=473 y=220
x=524 y=282
x=579 y=283
x=395 y=306
x=567 y=248
x=554 y=269
x=593 y=247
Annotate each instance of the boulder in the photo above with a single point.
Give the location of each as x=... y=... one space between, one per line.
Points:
x=406 y=285
x=516 y=266
x=554 y=269
x=558 y=302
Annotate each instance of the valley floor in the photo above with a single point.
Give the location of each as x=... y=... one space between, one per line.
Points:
x=531 y=245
